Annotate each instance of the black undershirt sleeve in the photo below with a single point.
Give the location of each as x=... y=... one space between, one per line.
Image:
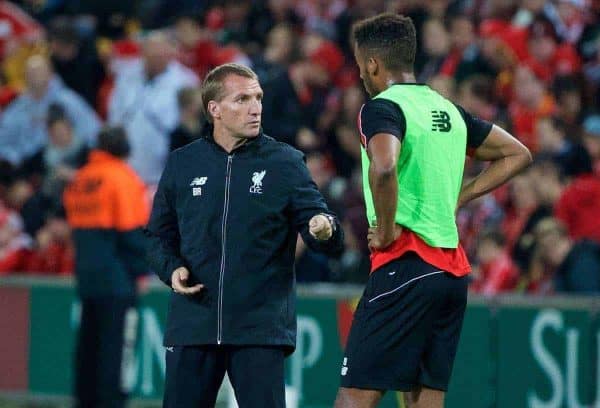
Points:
x=477 y=129
x=381 y=116
x=384 y=116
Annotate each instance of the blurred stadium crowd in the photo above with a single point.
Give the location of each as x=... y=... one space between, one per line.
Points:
x=531 y=66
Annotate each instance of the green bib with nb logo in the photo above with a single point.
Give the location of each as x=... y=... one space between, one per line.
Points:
x=430 y=167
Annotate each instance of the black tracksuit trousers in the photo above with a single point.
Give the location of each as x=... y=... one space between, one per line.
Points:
x=195 y=373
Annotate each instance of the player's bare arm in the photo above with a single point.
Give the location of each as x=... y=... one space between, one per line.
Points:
x=383 y=150
x=508 y=157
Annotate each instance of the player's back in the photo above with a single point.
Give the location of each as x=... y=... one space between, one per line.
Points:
x=431 y=163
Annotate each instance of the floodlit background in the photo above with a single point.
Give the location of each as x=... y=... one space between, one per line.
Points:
x=530 y=66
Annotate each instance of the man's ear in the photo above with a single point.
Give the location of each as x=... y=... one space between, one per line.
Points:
x=372 y=66
x=214 y=109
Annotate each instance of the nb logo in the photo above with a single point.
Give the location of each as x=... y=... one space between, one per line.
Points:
x=198 y=181
x=440 y=121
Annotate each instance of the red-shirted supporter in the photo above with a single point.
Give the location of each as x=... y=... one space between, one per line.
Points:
x=14 y=243
x=16 y=27
x=549 y=57
x=522 y=202
x=531 y=101
x=579 y=204
x=197 y=49
x=496 y=272
x=53 y=253
x=462 y=35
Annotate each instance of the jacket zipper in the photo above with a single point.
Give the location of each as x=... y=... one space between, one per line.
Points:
x=223 y=248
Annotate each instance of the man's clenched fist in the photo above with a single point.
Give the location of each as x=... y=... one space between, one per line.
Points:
x=321 y=227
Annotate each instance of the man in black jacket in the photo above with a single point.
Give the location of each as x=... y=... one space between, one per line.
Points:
x=223 y=232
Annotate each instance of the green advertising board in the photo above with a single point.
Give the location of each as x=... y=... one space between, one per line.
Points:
x=472 y=383
x=53 y=319
x=536 y=354
x=546 y=358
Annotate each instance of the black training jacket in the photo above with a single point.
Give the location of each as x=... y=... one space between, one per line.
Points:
x=232 y=220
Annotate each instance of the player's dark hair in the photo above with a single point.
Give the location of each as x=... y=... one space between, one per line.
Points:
x=213 y=89
x=390 y=37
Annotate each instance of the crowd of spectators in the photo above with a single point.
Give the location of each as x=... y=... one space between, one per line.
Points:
x=530 y=66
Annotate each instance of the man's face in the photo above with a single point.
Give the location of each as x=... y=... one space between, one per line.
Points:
x=487 y=251
x=240 y=110
x=62 y=50
x=528 y=89
x=361 y=61
x=461 y=33
x=61 y=134
x=592 y=144
x=547 y=244
x=37 y=74
x=157 y=55
x=280 y=44
x=542 y=48
x=549 y=137
x=436 y=40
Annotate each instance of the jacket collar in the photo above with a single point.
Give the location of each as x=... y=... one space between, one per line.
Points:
x=208 y=134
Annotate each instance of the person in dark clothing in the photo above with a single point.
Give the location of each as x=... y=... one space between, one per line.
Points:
x=547 y=188
x=190 y=123
x=106 y=207
x=285 y=118
x=53 y=167
x=222 y=233
x=75 y=60
x=263 y=16
x=576 y=264
x=111 y=16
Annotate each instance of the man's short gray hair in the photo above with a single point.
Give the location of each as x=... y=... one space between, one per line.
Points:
x=212 y=88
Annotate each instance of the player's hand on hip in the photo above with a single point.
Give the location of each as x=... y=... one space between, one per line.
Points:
x=179 y=283
x=379 y=239
x=321 y=227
